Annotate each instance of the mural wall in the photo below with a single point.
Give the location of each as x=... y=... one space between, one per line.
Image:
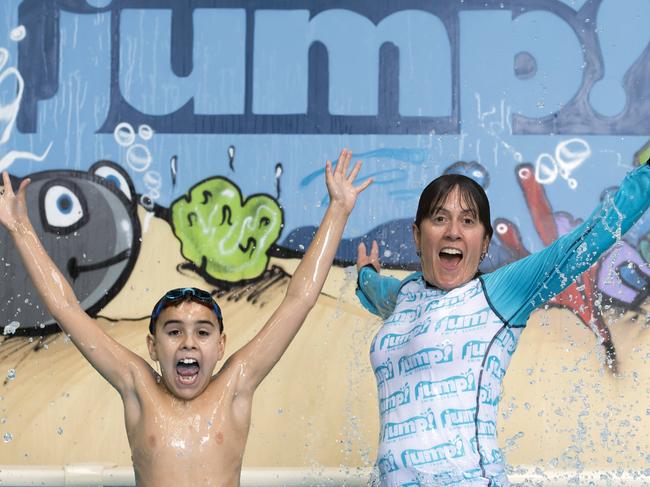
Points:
x=199 y=130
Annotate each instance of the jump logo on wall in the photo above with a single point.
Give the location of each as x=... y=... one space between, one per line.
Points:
x=235 y=46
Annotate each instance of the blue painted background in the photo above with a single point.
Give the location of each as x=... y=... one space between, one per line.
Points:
x=262 y=92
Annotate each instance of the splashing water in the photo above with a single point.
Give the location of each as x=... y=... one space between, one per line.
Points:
x=11 y=328
x=616 y=232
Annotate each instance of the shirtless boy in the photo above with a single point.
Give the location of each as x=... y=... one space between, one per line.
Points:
x=186 y=426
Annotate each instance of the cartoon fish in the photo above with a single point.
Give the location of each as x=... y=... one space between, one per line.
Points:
x=89 y=226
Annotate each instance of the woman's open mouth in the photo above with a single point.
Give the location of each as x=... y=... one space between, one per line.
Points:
x=450 y=257
x=187 y=371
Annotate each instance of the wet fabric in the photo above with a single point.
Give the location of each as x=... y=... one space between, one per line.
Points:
x=440 y=357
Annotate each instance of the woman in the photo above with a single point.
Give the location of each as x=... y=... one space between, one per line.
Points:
x=449 y=332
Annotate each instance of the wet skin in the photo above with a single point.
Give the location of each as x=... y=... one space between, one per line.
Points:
x=451 y=242
x=186 y=426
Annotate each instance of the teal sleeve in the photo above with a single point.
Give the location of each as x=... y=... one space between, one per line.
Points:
x=377 y=293
x=517 y=289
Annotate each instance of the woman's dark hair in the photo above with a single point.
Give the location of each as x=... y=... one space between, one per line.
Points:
x=472 y=195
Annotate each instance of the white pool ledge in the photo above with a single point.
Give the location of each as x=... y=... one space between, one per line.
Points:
x=105 y=475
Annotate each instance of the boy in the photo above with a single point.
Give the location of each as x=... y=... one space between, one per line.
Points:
x=187 y=427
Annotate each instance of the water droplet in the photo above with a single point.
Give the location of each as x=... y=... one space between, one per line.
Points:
x=11 y=374
x=7 y=437
x=11 y=328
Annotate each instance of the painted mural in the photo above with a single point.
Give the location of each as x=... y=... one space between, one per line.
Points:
x=215 y=117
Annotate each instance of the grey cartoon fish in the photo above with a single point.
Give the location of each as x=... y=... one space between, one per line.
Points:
x=89 y=226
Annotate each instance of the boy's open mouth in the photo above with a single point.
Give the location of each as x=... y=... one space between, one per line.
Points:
x=187 y=370
x=450 y=257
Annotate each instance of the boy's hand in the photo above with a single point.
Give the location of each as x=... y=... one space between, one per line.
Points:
x=340 y=187
x=364 y=259
x=13 y=208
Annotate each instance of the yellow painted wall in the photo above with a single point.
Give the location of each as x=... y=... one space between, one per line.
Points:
x=560 y=407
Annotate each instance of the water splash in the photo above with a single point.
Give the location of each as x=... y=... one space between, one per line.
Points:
x=11 y=328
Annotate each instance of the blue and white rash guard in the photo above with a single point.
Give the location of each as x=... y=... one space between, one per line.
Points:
x=440 y=356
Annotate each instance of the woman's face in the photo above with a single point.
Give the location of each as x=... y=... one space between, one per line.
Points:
x=451 y=242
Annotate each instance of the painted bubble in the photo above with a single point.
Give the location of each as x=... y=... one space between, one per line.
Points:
x=138 y=157
x=152 y=180
x=145 y=132
x=124 y=134
x=4 y=57
x=18 y=34
x=570 y=154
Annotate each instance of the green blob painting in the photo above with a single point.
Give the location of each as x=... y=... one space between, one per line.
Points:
x=223 y=235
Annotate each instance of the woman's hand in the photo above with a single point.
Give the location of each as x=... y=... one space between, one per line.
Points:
x=340 y=187
x=364 y=259
x=13 y=209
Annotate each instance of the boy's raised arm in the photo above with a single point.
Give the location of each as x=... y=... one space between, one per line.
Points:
x=256 y=359
x=113 y=361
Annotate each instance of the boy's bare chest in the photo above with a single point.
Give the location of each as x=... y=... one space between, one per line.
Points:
x=190 y=444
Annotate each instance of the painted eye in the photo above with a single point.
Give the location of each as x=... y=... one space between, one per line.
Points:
x=63 y=208
x=115 y=178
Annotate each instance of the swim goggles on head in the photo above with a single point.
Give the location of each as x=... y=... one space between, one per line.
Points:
x=197 y=295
